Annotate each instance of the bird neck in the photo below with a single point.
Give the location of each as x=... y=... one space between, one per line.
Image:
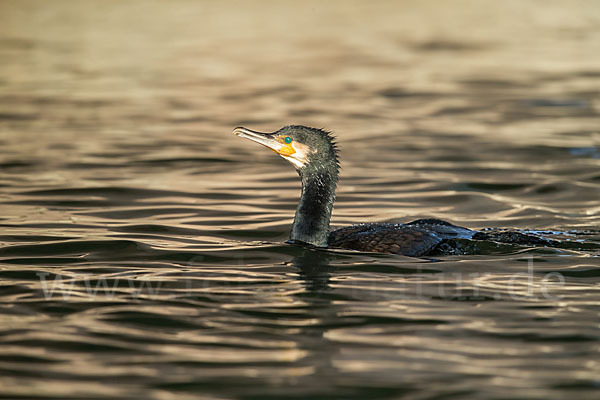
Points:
x=311 y=222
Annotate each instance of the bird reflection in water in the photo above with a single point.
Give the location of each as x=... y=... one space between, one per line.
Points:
x=313 y=268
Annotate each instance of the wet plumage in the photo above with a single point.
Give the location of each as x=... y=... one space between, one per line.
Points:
x=417 y=238
x=314 y=154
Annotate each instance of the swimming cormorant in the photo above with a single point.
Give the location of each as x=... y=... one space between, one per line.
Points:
x=314 y=154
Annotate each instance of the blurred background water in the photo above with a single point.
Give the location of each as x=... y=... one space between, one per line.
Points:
x=141 y=244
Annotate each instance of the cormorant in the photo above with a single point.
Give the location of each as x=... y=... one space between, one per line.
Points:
x=314 y=154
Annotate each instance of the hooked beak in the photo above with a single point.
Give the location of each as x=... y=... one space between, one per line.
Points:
x=266 y=139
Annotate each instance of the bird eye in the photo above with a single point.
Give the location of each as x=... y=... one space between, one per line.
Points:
x=287 y=140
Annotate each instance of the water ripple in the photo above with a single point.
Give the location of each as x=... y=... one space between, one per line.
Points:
x=142 y=245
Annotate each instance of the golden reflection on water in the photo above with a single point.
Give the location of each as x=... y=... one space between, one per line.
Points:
x=118 y=164
x=317 y=64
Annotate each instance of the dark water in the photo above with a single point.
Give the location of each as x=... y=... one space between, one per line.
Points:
x=141 y=244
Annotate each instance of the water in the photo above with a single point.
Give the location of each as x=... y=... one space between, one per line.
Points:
x=142 y=245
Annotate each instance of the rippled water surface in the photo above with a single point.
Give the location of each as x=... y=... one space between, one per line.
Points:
x=142 y=250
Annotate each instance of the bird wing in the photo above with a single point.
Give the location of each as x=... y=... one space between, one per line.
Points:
x=385 y=238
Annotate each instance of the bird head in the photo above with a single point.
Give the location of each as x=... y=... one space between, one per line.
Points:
x=307 y=149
